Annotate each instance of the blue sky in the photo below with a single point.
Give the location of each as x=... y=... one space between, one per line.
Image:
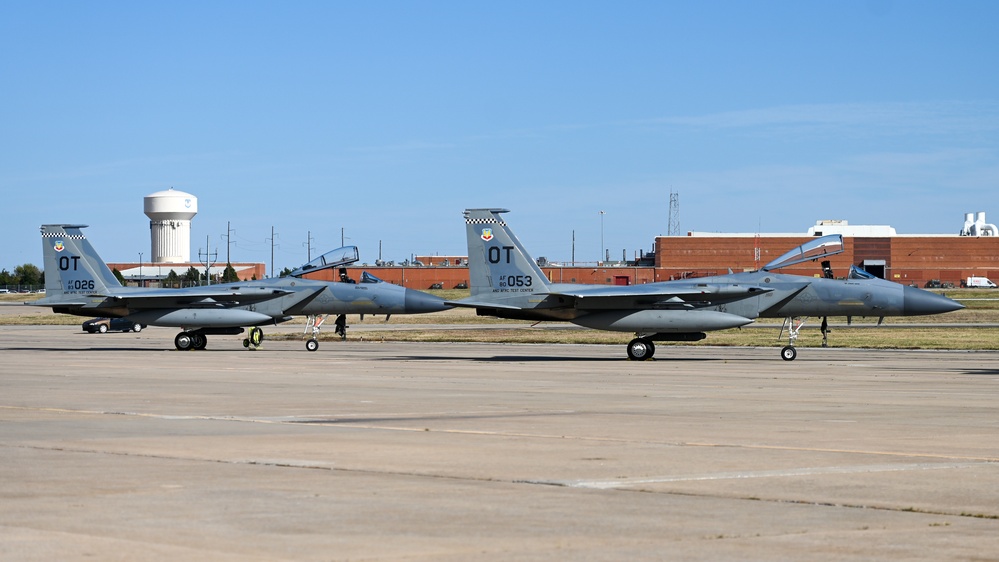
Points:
x=387 y=119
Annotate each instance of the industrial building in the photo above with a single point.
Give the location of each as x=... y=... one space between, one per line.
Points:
x=918 y=259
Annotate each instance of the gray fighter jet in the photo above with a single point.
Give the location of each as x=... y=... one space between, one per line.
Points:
x=78 y=282
x=505 y=282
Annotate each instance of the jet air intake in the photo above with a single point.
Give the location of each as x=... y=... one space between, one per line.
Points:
x=661 y=321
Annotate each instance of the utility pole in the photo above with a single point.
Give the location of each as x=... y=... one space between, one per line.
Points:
x=208 y=258
x=308 y=243
x=272 y=251
x=574 y=247
x=228 y=241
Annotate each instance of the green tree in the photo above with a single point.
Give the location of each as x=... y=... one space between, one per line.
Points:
x=172 y=280
x=28 y=274
x=6 y=278
x=192 y=277
x=118 y=275
x=229 y=275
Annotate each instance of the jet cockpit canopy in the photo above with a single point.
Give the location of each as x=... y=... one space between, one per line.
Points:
x=811 y=250
x=336 y=258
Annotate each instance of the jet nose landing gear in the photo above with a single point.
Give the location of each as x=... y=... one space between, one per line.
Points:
x=314 y=323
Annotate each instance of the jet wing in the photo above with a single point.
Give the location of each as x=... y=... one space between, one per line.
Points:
x=656 y=296
x=660 y=296
x=192 y=297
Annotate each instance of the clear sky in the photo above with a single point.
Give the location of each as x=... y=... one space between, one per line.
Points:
x=387 y=119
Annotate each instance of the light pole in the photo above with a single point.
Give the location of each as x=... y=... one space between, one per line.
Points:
x=140 y=269
x=601 y=257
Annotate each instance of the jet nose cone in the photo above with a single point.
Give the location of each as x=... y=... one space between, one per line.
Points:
x=418 y=302
x=917 y=301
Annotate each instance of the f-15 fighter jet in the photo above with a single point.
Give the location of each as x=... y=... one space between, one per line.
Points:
x=505 y=282
x=78 y=282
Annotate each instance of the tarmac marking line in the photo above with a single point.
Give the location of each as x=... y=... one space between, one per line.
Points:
x=805 y=471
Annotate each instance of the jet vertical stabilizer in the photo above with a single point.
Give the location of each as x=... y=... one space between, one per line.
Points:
x=72 y=265
x=497 y=261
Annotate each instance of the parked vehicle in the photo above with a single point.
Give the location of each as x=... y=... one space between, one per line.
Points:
x=104 y=325
x=978 y=283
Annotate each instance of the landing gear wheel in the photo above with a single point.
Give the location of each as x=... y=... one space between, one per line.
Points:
x=184 y=341
x=641 y=349
x=246 y=342
x=311 y=344
x=199 y=341
x=788 y=353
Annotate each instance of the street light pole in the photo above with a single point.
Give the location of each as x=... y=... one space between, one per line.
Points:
x=140 y=269
x=601 y=257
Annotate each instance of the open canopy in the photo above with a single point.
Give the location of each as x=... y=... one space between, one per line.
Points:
x=811 y=250
x=336 y=258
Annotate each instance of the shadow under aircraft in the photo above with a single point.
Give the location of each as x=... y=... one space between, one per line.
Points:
x=78 y=282
x=505 y=282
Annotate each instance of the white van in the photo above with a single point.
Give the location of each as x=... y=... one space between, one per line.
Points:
x=979 y=283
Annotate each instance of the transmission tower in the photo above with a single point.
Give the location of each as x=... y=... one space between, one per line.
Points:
x=673 y=229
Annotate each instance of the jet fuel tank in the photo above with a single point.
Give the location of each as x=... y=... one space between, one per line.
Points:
x=661 y=321
x=198 y=317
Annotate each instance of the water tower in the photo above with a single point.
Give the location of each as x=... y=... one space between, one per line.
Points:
x=170 y=213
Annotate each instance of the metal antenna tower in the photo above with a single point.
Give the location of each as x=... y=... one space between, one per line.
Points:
x=673 y=228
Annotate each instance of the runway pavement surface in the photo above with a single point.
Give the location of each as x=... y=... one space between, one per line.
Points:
x=118 y=447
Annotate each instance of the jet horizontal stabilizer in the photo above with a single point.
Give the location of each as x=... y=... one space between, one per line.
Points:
x=467 y=303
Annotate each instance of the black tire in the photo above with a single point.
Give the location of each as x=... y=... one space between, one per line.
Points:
x=103 y=328
x=200 y=341
x=184 y=341
x=641 y=349
x=788 y=353
x=311 y=344
x=137 y=327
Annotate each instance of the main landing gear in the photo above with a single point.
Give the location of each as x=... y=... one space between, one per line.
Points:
x=198 y=339
x=642 y=347
x=190 y=340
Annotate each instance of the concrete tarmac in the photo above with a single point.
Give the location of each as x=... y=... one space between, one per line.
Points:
x=118 y=447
